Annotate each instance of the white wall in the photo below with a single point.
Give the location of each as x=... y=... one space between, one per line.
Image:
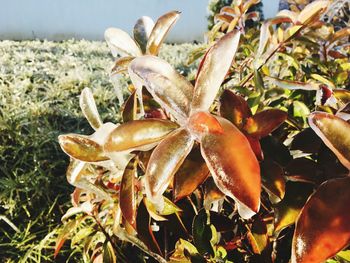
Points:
x=64 y=19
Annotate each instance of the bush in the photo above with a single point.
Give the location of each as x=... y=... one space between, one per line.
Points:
x=248 y=164
x=39 y=84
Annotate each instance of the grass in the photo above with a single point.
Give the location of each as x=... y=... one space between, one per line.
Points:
x=40 y=82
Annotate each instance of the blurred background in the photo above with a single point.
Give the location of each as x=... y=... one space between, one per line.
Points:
x=87 y=19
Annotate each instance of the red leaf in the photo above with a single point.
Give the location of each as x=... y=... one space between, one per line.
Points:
x=265 y=122
x=323 y=227
x=256 y=147
x=234 y=108
x=234 y=167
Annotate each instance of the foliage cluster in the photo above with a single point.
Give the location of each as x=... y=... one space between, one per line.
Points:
x=246 y=162
x=39 y=84
x=215 y=7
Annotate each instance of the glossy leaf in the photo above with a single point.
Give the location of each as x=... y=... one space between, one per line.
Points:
x=334 y=132
x=121 y=43
x=234 y=108
x=287 y=211
x=202 y=233
x=272 y=179
x=89 y=109
x=258 y=235
x=191 y=174
x=121 y=65
x=264 y=122
x=168 y=209
x=203 y=122
x=127 y=198
x=213 y=70
x=171 y=90
x=290 y=14
x=234 y=167
x=323 y=227
x=304 y=170
x=223 y=18
x=138 y=134
x=142 y=31
x=306 y=141
x=129 y=111
x=312 y=10
x=160 y=30
x=164 y=162
x=293 y=85
x=82 y=148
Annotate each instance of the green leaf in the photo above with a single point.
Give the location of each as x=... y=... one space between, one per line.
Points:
x=202 y=233
x=287 y=211
x=108 y=253
x=144 y=231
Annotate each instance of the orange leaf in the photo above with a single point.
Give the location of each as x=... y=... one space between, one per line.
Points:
x=323 y=227
x=138 y=134
x=129 y=111
x=191 y=174
x=82 y=148
x=234 y=167
x=203 y=122
x=256 y=147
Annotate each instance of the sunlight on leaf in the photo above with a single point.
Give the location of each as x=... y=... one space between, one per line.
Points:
x=323 y=227
x=160 y=30
x=224 y=154
x=334 y=132
x=213 y=70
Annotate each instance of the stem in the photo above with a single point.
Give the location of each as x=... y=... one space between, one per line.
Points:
x=108 y=237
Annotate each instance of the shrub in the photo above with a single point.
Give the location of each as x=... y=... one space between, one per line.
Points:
x=232 y=168
x=39 y=84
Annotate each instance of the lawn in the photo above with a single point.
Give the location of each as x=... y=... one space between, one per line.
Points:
x=40 y=83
